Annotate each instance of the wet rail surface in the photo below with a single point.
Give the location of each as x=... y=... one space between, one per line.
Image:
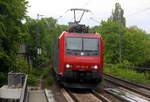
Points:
x=140 y=89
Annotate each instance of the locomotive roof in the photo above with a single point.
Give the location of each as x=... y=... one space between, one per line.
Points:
x=97 y=35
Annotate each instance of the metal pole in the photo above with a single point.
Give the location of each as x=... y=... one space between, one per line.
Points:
x=120 y=54
x=74 y=16
x=38 y=49
x=81 y=16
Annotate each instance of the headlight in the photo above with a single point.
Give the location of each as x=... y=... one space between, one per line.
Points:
x=94 y=67
x=68 y=66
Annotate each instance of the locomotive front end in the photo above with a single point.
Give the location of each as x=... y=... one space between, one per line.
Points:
x=83 y=60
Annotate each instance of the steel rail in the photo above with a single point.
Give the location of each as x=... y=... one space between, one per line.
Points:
x=129 y=88
x=120 y=98
x=99 y=96
x=68 y=96
x=94 y=93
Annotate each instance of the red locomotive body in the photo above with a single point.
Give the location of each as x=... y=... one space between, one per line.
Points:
x=78 y=59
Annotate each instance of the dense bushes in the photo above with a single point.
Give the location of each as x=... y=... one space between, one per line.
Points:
x=39 y=74
x=22 y=66
x=32 y=80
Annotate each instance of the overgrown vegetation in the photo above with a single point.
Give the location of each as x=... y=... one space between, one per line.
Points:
x=39 y=74
x=127 y=74
x=49 y=81
x=32 y=80
x=42 y=34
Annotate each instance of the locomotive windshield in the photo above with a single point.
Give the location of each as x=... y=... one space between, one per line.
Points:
x=75 y=45
x=90 y=44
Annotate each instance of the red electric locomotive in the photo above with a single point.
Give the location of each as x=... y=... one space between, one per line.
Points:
x=78 y=58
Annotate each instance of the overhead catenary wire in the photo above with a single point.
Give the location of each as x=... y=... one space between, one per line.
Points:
x=96 y=20
x=86 y=4
x=91 y=17
x=138 y=12
x=62 y=15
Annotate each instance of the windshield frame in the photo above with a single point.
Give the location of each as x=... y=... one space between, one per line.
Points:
x=82 y=50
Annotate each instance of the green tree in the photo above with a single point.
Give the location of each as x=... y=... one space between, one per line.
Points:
x=11 y=34
x=111 y=32
x=135 y=47
x=117 y=15
x=11 y=14
x=134 y=43
x=42 y=34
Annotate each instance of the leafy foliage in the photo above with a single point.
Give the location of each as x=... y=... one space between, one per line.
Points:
x=22 y=65
x=133 y=42
x=11 y=14
x=42 y=34
x=32 y=80
x=135 y=46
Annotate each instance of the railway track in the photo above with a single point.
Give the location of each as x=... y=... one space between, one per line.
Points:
x=90 y=96
x=124 y=92
x=139 y=89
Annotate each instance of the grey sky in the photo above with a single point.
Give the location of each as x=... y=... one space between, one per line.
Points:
x=137 y=12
